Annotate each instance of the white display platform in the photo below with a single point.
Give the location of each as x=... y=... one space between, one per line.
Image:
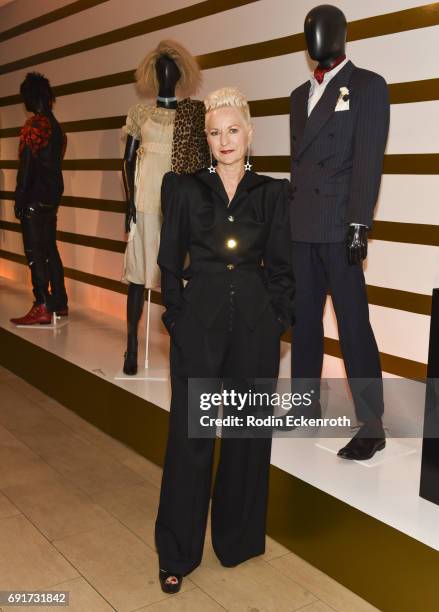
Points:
x=155 y=374
x=392 y=453
x=95 y=342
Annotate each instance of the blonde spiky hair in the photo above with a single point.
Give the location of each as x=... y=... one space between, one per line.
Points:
x=189 y=81
x=228 y=96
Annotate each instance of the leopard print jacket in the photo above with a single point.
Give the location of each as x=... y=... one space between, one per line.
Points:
x=190 y=151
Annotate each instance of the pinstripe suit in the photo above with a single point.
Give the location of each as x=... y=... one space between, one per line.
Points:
x=336 y=159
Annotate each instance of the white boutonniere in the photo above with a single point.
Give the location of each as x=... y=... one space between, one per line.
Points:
x=343 y=100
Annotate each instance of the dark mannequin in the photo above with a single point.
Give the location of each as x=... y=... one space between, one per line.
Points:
x=168 y=75
x=37 y=196
x=335 y=263
x=325 y=33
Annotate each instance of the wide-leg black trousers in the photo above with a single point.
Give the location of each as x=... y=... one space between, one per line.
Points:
x=319 y=267
x=231 y=350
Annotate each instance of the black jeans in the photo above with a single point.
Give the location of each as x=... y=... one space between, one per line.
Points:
x=38 y=226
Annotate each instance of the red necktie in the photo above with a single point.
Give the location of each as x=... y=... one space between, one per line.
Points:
x=319 y=73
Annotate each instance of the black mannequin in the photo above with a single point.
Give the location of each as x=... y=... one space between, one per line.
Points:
x=168 y=75
x=328 y=247
x=325 y=34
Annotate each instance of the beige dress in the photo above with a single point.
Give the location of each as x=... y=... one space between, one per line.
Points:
x=154 y=127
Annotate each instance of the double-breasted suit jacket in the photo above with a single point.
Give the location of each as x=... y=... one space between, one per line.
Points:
x=247 y=241
x=337 y=155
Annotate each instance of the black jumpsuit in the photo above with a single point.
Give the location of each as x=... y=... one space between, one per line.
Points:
x=225 y=324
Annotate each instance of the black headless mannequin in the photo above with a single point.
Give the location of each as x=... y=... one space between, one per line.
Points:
x=325 y=34
x=168 y=75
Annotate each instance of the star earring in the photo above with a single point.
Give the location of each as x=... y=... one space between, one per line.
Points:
x=211 y=168
x=248 y=165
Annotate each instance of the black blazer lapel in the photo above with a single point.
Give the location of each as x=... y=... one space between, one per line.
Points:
x=325 y=107
x=299 y=115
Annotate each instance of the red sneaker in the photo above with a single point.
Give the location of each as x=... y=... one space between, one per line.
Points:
x=37 y=314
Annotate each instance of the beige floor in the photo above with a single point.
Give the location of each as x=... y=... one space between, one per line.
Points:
x=77 y=514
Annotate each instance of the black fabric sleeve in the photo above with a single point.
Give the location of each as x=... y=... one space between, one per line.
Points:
x=277 y=259
x=372 y=127
x=174 y=241
x=24 y=179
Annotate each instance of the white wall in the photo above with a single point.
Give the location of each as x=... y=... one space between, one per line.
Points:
x=400 y=57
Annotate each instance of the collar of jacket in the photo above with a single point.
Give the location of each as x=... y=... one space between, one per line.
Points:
x=250 y=180
x=309 y=127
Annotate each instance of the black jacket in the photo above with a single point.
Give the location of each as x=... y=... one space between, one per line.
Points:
x=337 y=156
x=41 y=150
x=198 y=222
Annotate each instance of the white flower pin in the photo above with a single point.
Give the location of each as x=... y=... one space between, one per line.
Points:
x=343 y=100
x=344 y=93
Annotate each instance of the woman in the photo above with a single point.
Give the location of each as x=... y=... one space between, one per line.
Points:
x=37 y=197
x=226 y=323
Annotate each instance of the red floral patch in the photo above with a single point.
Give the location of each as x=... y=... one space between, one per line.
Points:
x=35 y=133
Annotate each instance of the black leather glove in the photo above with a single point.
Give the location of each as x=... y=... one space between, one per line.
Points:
x=130 y=215
x=356 y=243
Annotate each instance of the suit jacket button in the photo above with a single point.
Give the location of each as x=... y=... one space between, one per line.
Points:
x=321 y=164
x=317 y=190
x=331 y=135
x=230 y=267
x=294 y=137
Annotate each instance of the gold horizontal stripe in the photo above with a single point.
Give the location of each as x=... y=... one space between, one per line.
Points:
x=416 y=163
x=400 y=93
x=83 y=125
x=399 y=300
x=400 y=366
x=74 y=164
x=391 y=23
x=412 y=233
x=411 y=163
x=380 y=296
x=407 y=368
x=115 y=206
x=414 y=91
x=102 y=82
x=84 y=277
x=168 y=20
x=398 y=21
x=95 y=242
x=51 y=17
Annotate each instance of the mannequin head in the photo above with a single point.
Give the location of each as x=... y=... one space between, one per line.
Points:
x=168 y=70
x=36 y=93
x=168 y=75
x=325 y=33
